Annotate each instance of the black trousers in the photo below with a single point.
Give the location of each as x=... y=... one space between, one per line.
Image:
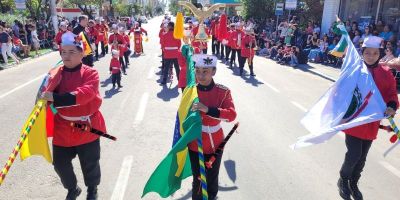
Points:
x=89 y=157
x=214 y=44
x=126 y=56
x=123 y=66
x=88 y=60
x=233 y=55
x=354 y=161
x=168 y=62
x=116 y=78
x=211 y=176
x=227 y=52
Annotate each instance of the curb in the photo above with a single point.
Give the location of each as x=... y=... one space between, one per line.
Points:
x=317 y=73
x=4 y=67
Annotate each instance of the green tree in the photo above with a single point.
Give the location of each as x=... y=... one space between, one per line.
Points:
x=258 y=9
x=85 y=6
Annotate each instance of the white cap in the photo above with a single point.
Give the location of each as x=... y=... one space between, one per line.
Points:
x=372 y=42
x=205 y=61
x=69 y=39
x=195 y=23
x=121 y=29
x=63 y=23
x=114 y=26
x=115 y=52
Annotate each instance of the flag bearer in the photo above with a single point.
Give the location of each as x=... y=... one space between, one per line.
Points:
x=359 y=138
x=74 y=90
x=215 y=105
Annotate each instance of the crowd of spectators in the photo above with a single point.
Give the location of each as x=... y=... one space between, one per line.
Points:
x=18 y=39
x=292 y=44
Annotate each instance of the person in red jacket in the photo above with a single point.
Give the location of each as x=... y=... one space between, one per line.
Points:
x=115 y=68
x=247 y=51
x=57 y=39
x=74 y=90
x=93 y=35
x=163 y=31
x=215 y=105
x=235 y=42
x=127 y=52
x=360 y=138
x=171 y=48
x=227 y=43
x=138 y=31
x=102 y=29
x=214 y=33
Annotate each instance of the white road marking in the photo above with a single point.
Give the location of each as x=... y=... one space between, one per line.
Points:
x=302 y=108
x=151 y=73
x=272 y=87
x=21 y=86
x=390 y=168
x=123 y=177
x=142 y=108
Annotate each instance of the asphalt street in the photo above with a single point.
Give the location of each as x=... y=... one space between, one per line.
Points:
x=257 y=163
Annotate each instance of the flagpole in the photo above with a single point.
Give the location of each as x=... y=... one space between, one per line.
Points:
x=39 y=106
x=203 y=179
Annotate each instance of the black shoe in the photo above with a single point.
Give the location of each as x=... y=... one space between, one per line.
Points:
x=252 y=74
x=344 y=188
x=354 y=190
x=73 y=193
x=113 y=86
x=91 y=193
x=163 y=82
x=120 y=86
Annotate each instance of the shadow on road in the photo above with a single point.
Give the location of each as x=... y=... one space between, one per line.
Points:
x=251 y=79
x=166 y=94
x=111 y=92
x=106 y=82
x=230 y=167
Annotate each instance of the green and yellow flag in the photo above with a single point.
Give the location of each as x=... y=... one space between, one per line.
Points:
x=175 y=167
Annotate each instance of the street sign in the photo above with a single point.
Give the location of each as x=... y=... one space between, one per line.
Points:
x=279 y=9
x=291 y=4
x=20 y=4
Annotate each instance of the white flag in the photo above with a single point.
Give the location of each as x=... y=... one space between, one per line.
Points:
x=353 y=100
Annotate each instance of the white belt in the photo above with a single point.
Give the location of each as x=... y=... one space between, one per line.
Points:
x=210 y=129
x=170 y=48
x=114 y=67
x=74 y=119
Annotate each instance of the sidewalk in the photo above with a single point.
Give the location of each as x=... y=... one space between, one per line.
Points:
x=13 y=64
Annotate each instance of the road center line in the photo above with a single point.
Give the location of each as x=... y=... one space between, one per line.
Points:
x=123 y=177
x=390 y=168
x=21 y=86
x=270 y=86
x=302 y=108
x=142 y=108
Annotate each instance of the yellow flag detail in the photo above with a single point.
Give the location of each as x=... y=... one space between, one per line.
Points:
x=36 y=142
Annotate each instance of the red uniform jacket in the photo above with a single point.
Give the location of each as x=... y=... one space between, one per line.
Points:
x=234 y=39
x=57 y=39
x=248 y=44
x=213 y=27
x=101 y=32
x=386 y=84
x=93 y=34
x=182 y=74
x=117 y=37
x=115 y=66
x=221 y=108
x=81 y=86
x=170 y=45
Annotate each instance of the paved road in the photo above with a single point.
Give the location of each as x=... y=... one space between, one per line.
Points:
x=257 y=163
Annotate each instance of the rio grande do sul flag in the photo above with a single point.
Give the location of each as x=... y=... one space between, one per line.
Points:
x=352 y=100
